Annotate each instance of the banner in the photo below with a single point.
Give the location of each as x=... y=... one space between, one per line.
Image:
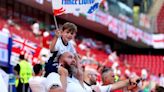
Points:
x=147 y=38
x=75 y=6
x=130 y=30
x=122 y=30
x=4 y=48
x=113 y=26
x=158 y=40
x=101 y=18
x=91 y=17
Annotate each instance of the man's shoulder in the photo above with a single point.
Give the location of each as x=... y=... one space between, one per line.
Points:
x=38 y=78
x=53 y=74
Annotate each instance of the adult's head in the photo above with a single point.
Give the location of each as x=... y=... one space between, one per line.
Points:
x=68 y=31
x=38 y=70
x=21 y=57
x=67 y=60
x=107 y=76
x=56 y=88
x=90 y=76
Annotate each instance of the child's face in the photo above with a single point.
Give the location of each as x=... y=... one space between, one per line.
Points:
x=67 y=35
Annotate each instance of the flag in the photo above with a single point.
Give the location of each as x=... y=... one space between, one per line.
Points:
x=75 y=6
x=29 y=48
x=40 y=1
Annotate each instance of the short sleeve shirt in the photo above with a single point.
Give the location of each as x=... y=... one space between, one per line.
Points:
x=61 y=47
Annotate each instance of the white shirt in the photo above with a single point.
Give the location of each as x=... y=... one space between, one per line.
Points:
x=52 y=79
x=61 y=48
x=37 y=84
x=73 y=85
x=3 y=86
x=106 y=88
x=161 y=81
x=35 y=28
x=5 y=76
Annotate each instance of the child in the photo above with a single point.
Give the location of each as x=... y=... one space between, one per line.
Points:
x=60 y=44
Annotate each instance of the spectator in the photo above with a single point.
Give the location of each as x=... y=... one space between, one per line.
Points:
x=37 y=82
x=107 y=76
x=161 y=80
x=10 y=21
x=82 y=46
x=5 y=29
x=108 y=49
x=23 y=72
x=109 y=81
x=46 y=40
x=60 y=44
x=90 y=77
x=35 y=28
x=74 y=80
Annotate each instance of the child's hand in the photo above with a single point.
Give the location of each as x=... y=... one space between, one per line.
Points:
x=58 y=33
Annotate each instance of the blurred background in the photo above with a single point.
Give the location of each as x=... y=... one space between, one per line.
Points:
x=127 y=35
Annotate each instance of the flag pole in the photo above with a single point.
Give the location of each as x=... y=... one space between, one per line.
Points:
x=54 y=15
x=56 y=24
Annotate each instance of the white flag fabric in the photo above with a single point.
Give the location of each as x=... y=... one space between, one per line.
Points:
x=74 y=6
x=158 y=40
x=40 y=1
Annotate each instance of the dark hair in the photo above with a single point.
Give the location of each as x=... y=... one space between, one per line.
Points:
x=37 y=68
x=105 y=69
x=70 y=27
x=54 y=86
x=21 y=57
x=159 y=89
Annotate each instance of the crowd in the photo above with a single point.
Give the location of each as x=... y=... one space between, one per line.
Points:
x=65 y=72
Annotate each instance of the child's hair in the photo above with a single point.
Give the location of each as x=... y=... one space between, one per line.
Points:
x=70 y=27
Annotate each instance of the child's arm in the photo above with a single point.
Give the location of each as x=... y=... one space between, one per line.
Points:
x=53 y=43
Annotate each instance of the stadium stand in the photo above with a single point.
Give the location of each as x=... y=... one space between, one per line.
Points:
x=153 y=63
x=160 y=20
